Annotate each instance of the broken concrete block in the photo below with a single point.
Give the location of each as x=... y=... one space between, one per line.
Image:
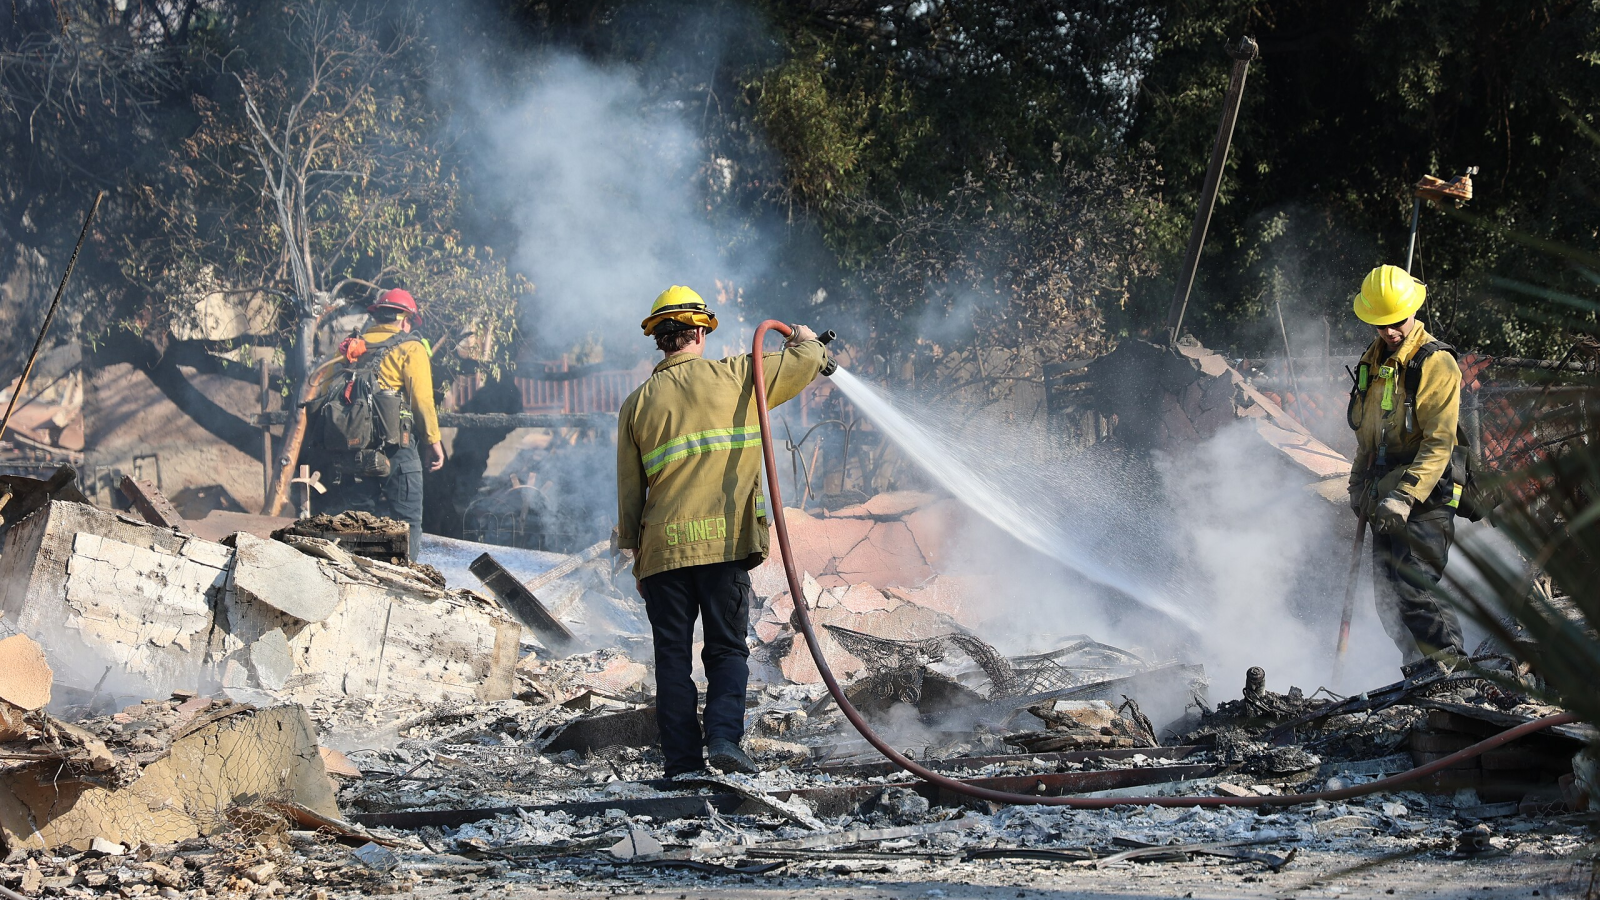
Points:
x=277 y=575
x=767 y=630
x=384 y=637
x=271 y=661
x=933 y=527
x=959 y=598
x=24 y=685
x=864 y=598
x=897 y=504
x=234 y=761
x=812 y=541
x=100 y=591
x=338 y=764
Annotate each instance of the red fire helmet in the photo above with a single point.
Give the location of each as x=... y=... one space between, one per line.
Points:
x=397 y=298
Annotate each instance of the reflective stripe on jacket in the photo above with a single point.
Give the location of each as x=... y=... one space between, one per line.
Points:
x=689 y=458
x=1424 y=449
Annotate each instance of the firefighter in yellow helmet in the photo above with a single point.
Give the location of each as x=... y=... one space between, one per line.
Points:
x=690 y=508
x=1404 y=407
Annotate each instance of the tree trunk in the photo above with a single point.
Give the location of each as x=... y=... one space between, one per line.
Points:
x=303 y=361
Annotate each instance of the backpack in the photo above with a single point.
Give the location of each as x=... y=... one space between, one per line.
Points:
x=1469 y=496
x=355 y=419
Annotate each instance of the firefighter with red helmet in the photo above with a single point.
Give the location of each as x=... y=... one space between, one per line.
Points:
x=386 y=478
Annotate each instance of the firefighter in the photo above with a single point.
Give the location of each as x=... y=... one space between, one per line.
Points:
x=691 y=512
x=1405 y=408
x=404 y=367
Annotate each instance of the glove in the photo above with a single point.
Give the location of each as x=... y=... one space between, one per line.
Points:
x=1358 y=497
x=798 y=335
x=1391 y=514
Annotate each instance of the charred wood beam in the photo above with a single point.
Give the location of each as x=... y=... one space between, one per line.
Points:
x=150 y=503
x=520 y=602
x=825 y=802
x=874 y=770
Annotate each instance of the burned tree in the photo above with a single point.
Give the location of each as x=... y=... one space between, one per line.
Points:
x=317 y=173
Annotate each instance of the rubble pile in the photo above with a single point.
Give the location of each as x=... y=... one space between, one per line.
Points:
x=327 y=722
x=361 y=533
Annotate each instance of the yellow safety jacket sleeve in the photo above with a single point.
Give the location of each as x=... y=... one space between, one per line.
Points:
x=1423 y=449
x=409 y=370
x=630 y=482
x=1438 y=406
x=689 y=458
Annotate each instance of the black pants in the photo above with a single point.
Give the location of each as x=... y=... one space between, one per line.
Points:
x=1407 y=568
x=721 y=593
x=398 y=497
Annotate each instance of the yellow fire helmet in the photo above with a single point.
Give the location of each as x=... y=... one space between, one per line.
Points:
x=1389 y=295
x=680 y=305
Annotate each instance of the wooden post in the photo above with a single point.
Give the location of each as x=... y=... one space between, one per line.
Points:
x=266 y=435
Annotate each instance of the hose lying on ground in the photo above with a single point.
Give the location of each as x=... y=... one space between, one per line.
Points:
x=775 y=507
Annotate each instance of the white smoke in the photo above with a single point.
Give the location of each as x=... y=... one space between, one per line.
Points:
x=608 y=189
x=1225 y=529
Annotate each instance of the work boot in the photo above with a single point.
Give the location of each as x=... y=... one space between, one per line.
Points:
x=729 y=757
x=1437 y=666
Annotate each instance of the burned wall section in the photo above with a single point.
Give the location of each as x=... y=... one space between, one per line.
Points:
x=141 y=610
x=104 y=592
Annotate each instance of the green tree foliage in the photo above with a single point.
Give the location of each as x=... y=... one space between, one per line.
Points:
x=855 y=125
x=289 y=148
x=1349 y=104
x=316 y=169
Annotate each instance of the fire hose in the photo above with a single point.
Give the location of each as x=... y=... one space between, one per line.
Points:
x=803 y=616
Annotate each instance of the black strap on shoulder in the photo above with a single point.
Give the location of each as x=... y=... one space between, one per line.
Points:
x=1413 y=374
x=377 y=353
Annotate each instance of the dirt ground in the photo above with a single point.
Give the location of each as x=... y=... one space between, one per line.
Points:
x=1428 y=870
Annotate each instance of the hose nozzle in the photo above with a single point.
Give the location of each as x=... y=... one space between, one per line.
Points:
x=831 y=366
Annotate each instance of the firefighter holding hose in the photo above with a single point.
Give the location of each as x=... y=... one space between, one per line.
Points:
x=691 y=511
x=1405 y=406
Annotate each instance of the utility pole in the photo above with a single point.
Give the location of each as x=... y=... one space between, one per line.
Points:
x=1242 y=52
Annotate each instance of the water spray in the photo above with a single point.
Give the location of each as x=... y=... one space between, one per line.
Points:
x=808 y=630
